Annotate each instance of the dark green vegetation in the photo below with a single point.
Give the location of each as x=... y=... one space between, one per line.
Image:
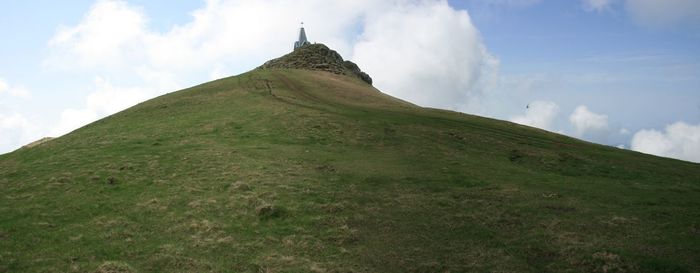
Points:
x=308 y=171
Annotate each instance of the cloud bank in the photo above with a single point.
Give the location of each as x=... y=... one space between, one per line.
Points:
x=587 y=123
x=428 y=54
x=105 y=100
x=15 y=129
x=680 y=140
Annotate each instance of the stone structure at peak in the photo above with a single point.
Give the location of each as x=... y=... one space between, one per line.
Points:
x=317 y=57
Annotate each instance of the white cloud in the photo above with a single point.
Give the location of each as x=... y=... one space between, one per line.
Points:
x=664 y=13
x=589 y=123
x=15 y=131
x=236 y=33
x=105 y=100
x=72 y=119
x=426 y=53
x=218 y=72
x=597 y=5
x=106 y=35
x=109 y=99
x=680 y=140
x=538 y=114
x=14 y=91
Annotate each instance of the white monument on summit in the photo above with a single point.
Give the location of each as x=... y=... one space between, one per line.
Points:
x=302 y=38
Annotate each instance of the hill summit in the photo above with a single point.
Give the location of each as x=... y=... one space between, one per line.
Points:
x=318 y=57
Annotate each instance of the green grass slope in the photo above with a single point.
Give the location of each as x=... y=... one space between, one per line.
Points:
x=284 y=170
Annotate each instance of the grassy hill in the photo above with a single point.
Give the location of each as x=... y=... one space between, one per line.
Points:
x=289 y=170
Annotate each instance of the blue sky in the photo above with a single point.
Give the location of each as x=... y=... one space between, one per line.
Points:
x=618 y=72
x=642 y=75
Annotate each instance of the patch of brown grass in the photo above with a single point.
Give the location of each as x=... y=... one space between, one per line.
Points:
x=114 y=267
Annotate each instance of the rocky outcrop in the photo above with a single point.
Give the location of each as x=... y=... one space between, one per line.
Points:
x=357 y=72
x=318 y=57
